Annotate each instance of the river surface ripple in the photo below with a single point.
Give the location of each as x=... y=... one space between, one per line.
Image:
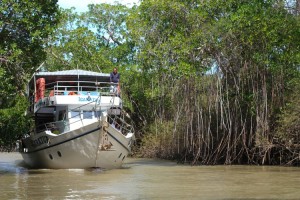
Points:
x=148 y=179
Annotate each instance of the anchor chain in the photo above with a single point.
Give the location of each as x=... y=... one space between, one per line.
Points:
x=105 y=144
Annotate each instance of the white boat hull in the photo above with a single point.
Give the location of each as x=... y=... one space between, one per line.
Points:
x=82 y=148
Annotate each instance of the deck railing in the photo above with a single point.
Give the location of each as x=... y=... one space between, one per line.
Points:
x=88 y=88
x=81 y=88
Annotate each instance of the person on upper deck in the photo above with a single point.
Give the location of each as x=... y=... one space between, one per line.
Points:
x=115 y=76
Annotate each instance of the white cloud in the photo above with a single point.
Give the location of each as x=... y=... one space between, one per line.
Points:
x=81 y=5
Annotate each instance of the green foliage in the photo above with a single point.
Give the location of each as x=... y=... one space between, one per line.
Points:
x=288 y=131
x=168 y=37
x=13 y=124
x=159 y=141
x=95 y=40
x=24 y=25
x=253 y=47
x=7 y=89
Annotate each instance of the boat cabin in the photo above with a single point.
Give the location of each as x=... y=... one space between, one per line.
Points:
x=66 y=100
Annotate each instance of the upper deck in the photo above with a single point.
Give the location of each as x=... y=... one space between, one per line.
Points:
x=72 y=88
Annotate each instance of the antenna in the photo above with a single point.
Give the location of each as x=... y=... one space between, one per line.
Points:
x=99 y=68
x=41 y=65
x=77 y=79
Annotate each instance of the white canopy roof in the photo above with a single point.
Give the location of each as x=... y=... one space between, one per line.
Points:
x=71 y=73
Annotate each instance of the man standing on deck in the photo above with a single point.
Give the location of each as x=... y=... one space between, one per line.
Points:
x=115 y=78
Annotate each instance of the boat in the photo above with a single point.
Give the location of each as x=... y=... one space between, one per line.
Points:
x=78 y=122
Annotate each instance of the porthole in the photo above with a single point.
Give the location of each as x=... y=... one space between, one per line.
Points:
x=120 y=155
x=123 y=158
x=50 y=156
x=59 y=154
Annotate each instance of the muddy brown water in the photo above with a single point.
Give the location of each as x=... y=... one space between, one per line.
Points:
x=148 y=179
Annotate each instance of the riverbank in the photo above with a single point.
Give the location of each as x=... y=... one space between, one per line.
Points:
x=144 y=153
x=8 y=149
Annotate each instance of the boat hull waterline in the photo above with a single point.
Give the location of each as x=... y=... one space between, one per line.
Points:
x=80 y=150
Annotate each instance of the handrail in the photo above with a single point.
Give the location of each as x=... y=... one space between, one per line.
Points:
x=83 y=86
x=119 y=123
x=78 y=88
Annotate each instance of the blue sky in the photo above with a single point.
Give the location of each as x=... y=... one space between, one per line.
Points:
x=81 y=5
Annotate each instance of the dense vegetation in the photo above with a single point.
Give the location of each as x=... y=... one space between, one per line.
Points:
x=206 y=82
x=24 y=26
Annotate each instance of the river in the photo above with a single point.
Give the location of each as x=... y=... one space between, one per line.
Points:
x=148 y=179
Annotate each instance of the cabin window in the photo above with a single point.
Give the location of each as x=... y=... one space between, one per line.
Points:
x=75 y=114
x=87 y=115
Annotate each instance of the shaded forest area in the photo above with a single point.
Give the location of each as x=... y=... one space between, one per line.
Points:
x=206 y=82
